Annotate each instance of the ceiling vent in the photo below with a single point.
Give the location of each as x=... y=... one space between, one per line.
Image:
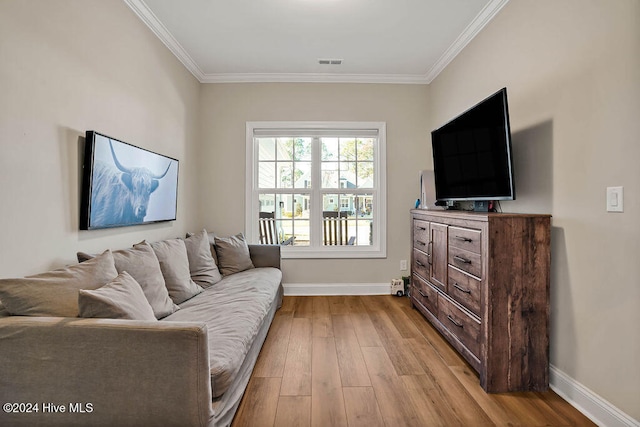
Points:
x=330 y=61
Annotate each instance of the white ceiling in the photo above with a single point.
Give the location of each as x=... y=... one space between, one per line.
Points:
x=379 y=41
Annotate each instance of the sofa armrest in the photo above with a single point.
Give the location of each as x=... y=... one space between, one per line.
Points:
x=105 y=372
x=265 y=255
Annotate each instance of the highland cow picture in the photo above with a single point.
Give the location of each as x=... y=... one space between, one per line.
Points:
x=125 y=185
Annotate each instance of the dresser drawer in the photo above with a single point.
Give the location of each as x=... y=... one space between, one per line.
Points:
x=420 y=234
x=464 y=289
x=465 y=238
x=425 y=294
x=460 y=323
x=420 y=263
x=466 y=261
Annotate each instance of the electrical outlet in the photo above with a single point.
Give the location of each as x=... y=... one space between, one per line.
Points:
x=403 y=265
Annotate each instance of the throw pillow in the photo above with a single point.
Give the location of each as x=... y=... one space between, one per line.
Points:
x=55 y=293
x=121 y=298
x=174 y=263
x=233 y=254
x=142 y=264
x=202 y=267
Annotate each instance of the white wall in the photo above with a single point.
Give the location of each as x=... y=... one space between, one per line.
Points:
x=227 y=107
x=66 y=67
x=572 y=71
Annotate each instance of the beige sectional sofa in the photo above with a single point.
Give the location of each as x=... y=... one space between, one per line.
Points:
x=93 y=345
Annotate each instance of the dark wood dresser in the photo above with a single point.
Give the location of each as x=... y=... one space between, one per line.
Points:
x=482 y=280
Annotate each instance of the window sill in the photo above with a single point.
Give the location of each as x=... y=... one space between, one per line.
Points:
x=334 y=252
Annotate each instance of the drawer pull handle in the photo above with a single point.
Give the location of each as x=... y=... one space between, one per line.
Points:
x=421 y=243
x=421 y=228
x=423 y=295
x=419 y=263
x=463 y=239
x=461 y=289
x=462 y=260
x=452 y=320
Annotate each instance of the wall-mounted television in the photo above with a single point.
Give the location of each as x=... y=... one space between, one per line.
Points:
x=472 y=158
x=125 y=185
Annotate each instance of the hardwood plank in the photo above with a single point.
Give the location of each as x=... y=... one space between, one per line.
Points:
x=259 y=404
x=496 y=412
x=296 y=378
x=526 y=407
x=362 y=325
x=562 y=408
x=422 y=394
x=327 y=402
x=402 y=359
x=362 y=407
x=304 y=307
x=390 y=391
x=445 y=389
x=322 y=326
x=444 y=349
x=273 y=354
x=288 y=305
x=337 y=305
x=353 y=371
x=293 y=411
x=391 y=305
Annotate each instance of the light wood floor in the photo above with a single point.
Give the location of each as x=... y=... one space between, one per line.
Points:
x=374 y=361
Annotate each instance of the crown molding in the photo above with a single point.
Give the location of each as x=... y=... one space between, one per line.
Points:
x=141 y=9
x=313 y=78
x=469 y=33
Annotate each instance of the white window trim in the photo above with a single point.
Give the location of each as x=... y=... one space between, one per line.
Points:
x=378 y=250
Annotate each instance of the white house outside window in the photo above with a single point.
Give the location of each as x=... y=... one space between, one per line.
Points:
x=322 y=184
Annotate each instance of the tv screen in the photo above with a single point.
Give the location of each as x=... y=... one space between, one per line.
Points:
x=472 y=153
x=125 y=185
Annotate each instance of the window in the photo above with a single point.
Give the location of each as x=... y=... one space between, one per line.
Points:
x=322 y=184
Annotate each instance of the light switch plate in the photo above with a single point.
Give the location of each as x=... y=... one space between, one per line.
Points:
x=615 y=199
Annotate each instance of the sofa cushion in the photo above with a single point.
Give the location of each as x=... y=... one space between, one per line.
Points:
x=55 y=293
x=233 y=254
x=142 y=264
x=121 y=298
x=174 y=264
x=202 y=266
x=233 y=311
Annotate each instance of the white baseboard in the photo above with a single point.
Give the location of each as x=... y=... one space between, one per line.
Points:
x=314 y=289
x=586 y=401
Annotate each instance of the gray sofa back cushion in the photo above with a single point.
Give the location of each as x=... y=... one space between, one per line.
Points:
x=174 y=264
x=55 y=293
x=121 y=298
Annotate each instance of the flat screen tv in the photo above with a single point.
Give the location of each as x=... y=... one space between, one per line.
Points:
x=472 y=154
x=125 y=185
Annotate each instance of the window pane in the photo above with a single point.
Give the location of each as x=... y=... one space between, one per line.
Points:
x=267 y=203
x=266 y=175
x=330 y=203
x=285 y=175
x=365 y=175
x=301 y=229
x=347 y=149
x=330 y=174
x=365 y=149
x=347 y=174
x=302 y=175
x=302 y=149
x=285 y=148
x=266 y=149
x=329 y=149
